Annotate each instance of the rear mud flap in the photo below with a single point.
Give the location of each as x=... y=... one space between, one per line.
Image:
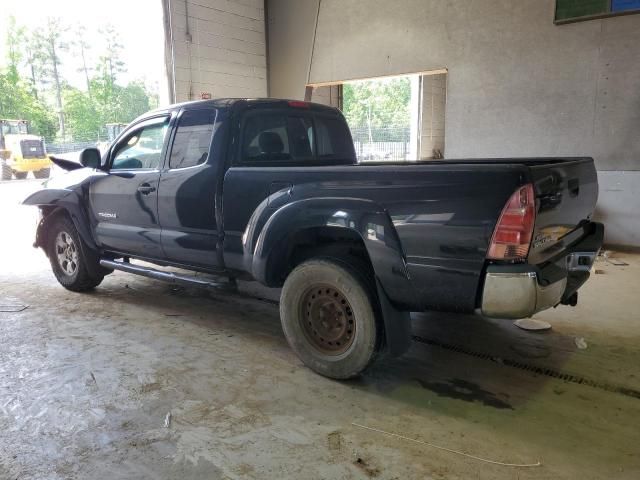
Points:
x=397 y=325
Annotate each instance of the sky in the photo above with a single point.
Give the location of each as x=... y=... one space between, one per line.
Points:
x=139 y=23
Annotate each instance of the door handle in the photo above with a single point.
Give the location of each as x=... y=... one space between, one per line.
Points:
x=146 y=189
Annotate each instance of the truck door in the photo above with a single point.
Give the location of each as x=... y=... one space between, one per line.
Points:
x=187 y=192
x=125 y=201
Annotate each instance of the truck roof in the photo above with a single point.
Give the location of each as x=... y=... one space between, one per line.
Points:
x=240 y=103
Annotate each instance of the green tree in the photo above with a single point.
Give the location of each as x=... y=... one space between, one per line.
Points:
x=83 y=118
x=32 y=61
x=17 y=101
x=34 y=64
x=117 y=104
x=82 y=47
x=377 y=103
x=18 y=98
x=14 y=39
x=111 y=63
x=50 y=42
x=133 y=100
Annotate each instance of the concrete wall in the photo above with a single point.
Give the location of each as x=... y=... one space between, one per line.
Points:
x=619 y=206
x=219 y=47
x=291 y=26
x=434 y=98
x=330 y=95
x=517 y=84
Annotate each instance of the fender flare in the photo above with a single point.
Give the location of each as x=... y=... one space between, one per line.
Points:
x=61 y=200
x=370 y=222
x=373 y=225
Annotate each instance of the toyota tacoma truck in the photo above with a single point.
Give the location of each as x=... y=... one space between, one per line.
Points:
x=270 y=191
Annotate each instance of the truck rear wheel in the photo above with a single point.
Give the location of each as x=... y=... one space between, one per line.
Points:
x=69 y=257
x=328 y=316
x=44 y=173
x=20 y=175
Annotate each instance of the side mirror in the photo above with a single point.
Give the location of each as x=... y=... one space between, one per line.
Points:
x=90 y=158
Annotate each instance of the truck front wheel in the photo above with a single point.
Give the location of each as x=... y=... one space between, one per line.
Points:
x=329 y=319
x=69 y=257
x=20 y=175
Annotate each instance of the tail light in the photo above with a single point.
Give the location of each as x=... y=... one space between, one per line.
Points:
x=513 y=232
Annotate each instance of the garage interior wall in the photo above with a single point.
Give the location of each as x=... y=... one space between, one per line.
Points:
x=216 y=47
x=330 y=95
x=517 y=84
x=432 y=119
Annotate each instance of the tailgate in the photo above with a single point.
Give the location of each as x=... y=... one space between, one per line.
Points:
x=566 y=194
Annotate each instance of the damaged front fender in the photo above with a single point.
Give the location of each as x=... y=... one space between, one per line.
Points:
x=63 y=195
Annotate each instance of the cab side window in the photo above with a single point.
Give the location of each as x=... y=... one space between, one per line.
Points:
x=334 y=140
x=141 y=149
x=266 y=139
x=193 y=138
x=277 y=137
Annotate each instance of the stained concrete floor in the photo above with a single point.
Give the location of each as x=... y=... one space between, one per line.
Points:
x=87 y=381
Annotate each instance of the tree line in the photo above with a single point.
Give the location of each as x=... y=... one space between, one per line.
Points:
x=33 y=85
x=378 y=110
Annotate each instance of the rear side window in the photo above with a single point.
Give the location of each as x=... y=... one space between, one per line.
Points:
x=301 y=137
x=295 y=138
x=277 y=138
x=193 y=138
x=334 y=141
x=266 y=138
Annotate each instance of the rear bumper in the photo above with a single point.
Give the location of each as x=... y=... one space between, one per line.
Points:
x=520 y=291
x=518 y=294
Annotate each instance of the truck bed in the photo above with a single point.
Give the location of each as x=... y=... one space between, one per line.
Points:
x=443 y=212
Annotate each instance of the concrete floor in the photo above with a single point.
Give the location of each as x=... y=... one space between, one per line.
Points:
x=86 y=383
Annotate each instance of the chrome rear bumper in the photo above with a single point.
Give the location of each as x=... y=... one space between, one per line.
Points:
x=518 y=294
x=520 y=291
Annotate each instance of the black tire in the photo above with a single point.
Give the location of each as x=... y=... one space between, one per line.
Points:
x=44 y=173
x=5 y=171
x=73 y=275
x=20 y=175
x=326 y=297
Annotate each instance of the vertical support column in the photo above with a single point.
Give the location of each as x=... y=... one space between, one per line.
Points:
x=434 y=94
x=415 y=121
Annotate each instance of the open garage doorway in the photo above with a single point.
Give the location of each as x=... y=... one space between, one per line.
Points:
x=73 y=74
x=394 y=118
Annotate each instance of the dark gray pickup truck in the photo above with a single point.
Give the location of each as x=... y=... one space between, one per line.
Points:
x=270 y=190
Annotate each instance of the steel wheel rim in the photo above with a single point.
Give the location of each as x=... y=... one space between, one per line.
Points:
x=327 y=319
x=67 y=253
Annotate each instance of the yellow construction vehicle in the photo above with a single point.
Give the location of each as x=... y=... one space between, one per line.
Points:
x=21 y=152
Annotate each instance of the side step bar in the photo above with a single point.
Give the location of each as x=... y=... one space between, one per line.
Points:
x=169 y=277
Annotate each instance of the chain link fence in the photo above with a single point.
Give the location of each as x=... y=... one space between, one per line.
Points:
x=76 y=144
x=68 y=147
x=375 y=144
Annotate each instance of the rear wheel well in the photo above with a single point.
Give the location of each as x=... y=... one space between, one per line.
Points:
x=334 y=242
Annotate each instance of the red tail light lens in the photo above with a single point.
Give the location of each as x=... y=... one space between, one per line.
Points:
x=513 y=232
